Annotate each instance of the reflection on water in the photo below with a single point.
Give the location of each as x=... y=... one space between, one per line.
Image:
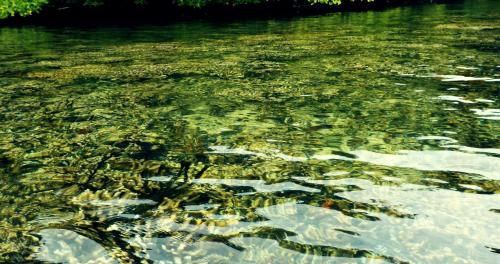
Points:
x=437 y=161
x=345 y=138
x=493 y=114
x=59 y=245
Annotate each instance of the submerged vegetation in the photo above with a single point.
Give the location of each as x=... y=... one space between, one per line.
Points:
x=309 y=140
x=355 y=137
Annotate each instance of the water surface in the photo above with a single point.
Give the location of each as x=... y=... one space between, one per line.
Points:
x=344 y=138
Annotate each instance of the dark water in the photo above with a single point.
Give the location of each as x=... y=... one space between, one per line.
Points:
x=345 y=138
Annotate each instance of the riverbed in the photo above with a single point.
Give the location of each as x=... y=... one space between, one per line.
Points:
x=364 y=137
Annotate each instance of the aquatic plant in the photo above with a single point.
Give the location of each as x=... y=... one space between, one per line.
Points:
x=304 y=140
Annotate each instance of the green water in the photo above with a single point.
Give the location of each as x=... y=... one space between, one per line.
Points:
x=344 y=138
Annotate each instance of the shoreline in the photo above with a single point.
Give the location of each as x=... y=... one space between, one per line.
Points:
x=168 y=14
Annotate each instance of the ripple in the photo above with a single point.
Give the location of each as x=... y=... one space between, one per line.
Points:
x=258 y=185
x=492 y=151
x=122 y=202
x=267 y=142
x=171 y=250
x=438 y=160
x=269 y=251
x=236 y=151
x=65 y=246
x=454 y=99
x=444 y=140
x=492 y=114
x=467 y=68
x=460 y=78
x=443 y=217
x=431 y=160
x=200 y=207
x=481 y=100
x=161 y=178
x=335 y=173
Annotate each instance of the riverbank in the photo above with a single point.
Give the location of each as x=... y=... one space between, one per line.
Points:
x=161 y=12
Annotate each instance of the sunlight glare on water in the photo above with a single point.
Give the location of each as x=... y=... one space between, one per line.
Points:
x=368 y=137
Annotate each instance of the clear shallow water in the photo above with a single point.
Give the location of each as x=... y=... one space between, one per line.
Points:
x=357 y=137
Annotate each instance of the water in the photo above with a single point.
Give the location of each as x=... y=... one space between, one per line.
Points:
x=344 y=138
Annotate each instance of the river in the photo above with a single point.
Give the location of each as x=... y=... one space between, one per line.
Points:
x=365 y=137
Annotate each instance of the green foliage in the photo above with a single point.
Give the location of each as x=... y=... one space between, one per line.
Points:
x=328 y=2
x=201 y=3
x=28 y=7
x=21 y=7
